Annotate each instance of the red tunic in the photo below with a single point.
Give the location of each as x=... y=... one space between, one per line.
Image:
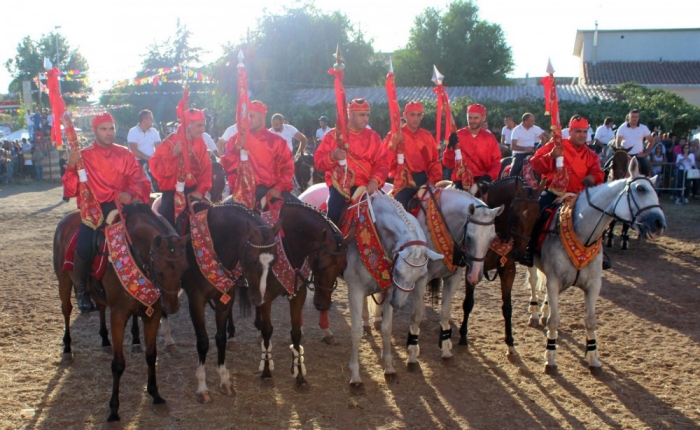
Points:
x=268 y=153
x=481 y=153
x=579 y=162
x=164 y=165
x=110 y=171
x=420 y=154
x=367 y=157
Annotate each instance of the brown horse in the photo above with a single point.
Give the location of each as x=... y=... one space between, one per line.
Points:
x=617 y=166
x=156 y=244
x=305 y=172
x=308 y=234
x=513 y=225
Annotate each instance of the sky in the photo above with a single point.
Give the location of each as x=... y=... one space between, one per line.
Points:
x=114 y=37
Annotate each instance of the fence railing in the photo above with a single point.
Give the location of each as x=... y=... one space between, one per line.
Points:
x=671 y=178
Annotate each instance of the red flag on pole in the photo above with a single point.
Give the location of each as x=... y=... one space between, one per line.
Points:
x=244 y=189
x=560 y=178
x=403 y=177
x=342 y=177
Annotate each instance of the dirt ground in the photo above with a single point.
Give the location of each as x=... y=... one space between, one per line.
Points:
x=648 y=337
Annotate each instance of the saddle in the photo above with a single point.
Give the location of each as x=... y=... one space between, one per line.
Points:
x=99 y=246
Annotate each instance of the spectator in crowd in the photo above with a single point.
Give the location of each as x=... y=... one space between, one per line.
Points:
x=507 y=131
x=214 y=124
x=5 y=166
x=207 y=121
x=38 y=160
x=636 y=138
x=695 y=150
x=670 y=144
x=27 y=158
x=525 y=139
x=685 y=161
x=657 y=159
x=228 y=134
x=603 y=135
x=678 y=148
x=49 y=121
x=288 y=132
x=143 y=139
x=29 y=120
x=36 y=119
x=324 y=128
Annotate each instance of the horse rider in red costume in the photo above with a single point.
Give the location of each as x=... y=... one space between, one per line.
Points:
x=582 y=167
x=112 y=173
x=366 y=157
x=420 y=154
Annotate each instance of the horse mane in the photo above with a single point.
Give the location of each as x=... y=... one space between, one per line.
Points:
x=136 y=208
x=237 y=205
x=399 y=209
x=517 y=178
x=306 y=206
x=464 y=193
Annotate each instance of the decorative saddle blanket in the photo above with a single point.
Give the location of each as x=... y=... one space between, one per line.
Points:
x=439 y=232
x=368 y=244
x=502 y=248
x=207 y=260
x=282 y=269
x=99 y=263
x=132 y=279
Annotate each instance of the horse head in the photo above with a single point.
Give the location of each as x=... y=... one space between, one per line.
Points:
x=400 y=232
x=160 y=250
x=479 y=232
x=521 y=211
x=620 y=163
x=643 y=209
x=257 y=256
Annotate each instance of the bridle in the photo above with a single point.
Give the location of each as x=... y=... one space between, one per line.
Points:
x=312 y=281
x=397 y=253
x=465 y=256
x=630 y=200
x=528 y=200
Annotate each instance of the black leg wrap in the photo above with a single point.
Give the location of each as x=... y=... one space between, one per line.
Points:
x=546 y=302
x=444 y=335
x=534 y=303
x=591 y=345
x=411 y=340
x=551 y=344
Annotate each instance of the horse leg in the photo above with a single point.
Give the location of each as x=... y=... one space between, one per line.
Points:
x=609 y=243
x=222 y=317
x=150 y=332
x=389 y=371
x=167 y=333
x=64 y=290
x=118 y=319
x=467 y=306
x=625 y=236
x=355 y=298
x=366 y=327
x=553 y=286
x=412 y=346
x=298 y=368
x=104 y=333
x=449 y=286
x=534 y=304
x=324 y=325
x=507 y=275
x=591 y=296
x=197 y=315
x=135 y=339
x=231 y=331
x=266 y=363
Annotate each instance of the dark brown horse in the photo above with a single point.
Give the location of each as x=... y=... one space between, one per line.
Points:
x=156 y=244
x=514 y=224
x=307 y=234
x=305 y=172
x=616 y=167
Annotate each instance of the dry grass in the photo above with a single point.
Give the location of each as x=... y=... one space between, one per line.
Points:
x=648 y=335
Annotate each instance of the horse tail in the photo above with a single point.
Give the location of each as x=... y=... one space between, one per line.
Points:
x=244 y=300
x=435 y=285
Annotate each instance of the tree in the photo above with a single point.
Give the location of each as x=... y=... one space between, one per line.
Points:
x=29 y=62
x=468 y=51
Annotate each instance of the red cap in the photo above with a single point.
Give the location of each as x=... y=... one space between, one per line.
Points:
x=257 y=106
x=476 y=108
x=580 y=123
x=103 y=117
x=413 y=106
x=195 y=115
x=358 y=105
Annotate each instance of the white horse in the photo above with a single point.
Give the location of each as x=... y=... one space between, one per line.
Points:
x=471 y=225
x=630 y=200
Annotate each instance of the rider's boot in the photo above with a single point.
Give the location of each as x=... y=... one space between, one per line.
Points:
x=81 y=270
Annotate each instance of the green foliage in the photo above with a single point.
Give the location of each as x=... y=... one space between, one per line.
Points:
x=28 y=62
x=468 y=51
x=7 y=120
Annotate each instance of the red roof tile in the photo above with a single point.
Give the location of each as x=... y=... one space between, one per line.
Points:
x=643 y=72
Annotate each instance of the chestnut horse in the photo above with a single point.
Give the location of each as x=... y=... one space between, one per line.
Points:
x=155 y=243
x=514 y=225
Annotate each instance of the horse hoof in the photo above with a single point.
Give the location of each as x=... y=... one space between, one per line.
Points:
x=463 y=341
x=513 y=358
x=413 y=367
x=329 y=340
x=170 y=348
x=357 y=388
x=158 y=400
x=378 y=325
x=448 y=361
x=596 y=370
x=551 y=370
x=534 y=322
x=108 y=350
x=226 y=390
x=366 y=330
x=231 y=344
x=67 y=358
x=113 y=417
x=204 y=397
x=543 y=322
x=303 y=387
x=391 y=378
x=136 y=348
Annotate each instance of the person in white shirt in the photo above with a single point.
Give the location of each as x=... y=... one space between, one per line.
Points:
x=143 y=138
x=228 y=134
x=29 y=119
x=632 y=136
x=524 y=141
x=288 y=132
x=685 y=161
x=323 y=122
x=603 y=135
x=507 y=131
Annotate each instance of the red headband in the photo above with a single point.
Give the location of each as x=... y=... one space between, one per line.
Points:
x=195 y=115
x=103 y=117
x=476 y=108
x=579 y=123
x=413 y=106
x=257 y=106
x=358 y=105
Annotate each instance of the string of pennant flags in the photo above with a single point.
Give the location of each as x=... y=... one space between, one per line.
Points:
x=161 y=76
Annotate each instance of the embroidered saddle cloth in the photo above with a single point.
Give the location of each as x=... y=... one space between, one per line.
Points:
x=99 y=263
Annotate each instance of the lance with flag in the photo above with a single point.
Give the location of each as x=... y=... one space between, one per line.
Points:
x=560 y=178
x=244 y=187
x=343 y=178
x=402 y=178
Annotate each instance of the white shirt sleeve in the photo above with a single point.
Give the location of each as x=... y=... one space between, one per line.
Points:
x=209 y=142
x=538 y=130
x=131 y=137
x=229 y=133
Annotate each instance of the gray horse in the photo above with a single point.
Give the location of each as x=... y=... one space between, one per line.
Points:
x=631 y=200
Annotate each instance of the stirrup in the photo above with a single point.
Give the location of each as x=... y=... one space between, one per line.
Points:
x=85 y=304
